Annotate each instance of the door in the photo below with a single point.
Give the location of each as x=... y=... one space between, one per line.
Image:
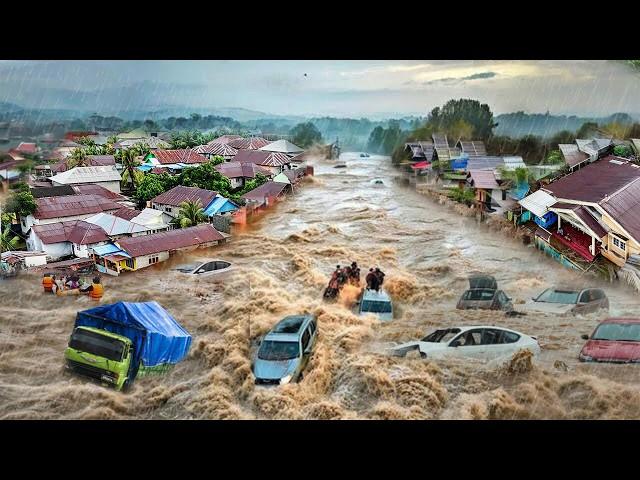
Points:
x=467 y=344
x=586 y=302
x=306 y=345
x=503 y=301
x=498 y=343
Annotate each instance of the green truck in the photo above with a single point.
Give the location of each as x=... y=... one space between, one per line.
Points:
x=117 y=343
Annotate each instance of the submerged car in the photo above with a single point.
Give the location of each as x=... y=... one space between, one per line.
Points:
x=285 y=351
x=378 y=303
x=209 y=268
x=482 y=342
x=364 y=155
x=483 y=294
x=567 y=301
x=615 y=340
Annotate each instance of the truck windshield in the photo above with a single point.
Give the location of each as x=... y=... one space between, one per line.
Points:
x=375 y=306
x=271 y=350
x=96 y=344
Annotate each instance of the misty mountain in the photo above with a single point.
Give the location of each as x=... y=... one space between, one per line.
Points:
x=519 y=124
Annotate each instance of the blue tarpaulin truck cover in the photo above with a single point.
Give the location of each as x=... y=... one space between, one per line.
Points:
x=157 y=337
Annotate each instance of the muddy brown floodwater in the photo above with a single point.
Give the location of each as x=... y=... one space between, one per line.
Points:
x=282 y=264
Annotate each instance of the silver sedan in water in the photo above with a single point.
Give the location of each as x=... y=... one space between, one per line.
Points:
x=215 y=268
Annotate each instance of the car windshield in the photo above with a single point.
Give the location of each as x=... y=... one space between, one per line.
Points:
x=441 y=335
x=479 y=294
x=621 y=332
x=375 y=306
x=96 y=344
x=187 y=268
x=558 y=296
x=272 y=350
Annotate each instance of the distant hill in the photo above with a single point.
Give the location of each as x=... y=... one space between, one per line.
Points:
x=519 y=124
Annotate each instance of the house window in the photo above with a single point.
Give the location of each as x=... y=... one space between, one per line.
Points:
x=167 y=209
x=504 y=194
x=622 y=245
x=129 y=263
x=153 y=260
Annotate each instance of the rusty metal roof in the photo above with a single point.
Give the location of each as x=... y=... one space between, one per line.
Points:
x=624 y=208
x=72 y=205
x=187 y=155
x=260 y=157
x=126 y=213
x=225 y=139
x=269 y=189
x=58 y=191
x=484 y=179
x=169 y=240
x=94 y=189
x=572 y=154
x=180 y=194
x=595 y=181
x=241 y=170
x=213 y=148
x=76 y=231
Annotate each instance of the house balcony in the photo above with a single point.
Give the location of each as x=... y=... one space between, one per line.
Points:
x=576 y=240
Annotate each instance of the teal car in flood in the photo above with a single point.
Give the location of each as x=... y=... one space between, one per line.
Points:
x=285 y=351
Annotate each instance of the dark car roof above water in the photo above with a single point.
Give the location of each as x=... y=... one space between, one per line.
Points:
x=289 y=328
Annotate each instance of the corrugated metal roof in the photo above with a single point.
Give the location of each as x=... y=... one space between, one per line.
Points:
x=170 y=240
x=484 y=163
x=72 y=205
x=484 y=179
x=572 y=155
x=624 y=208
x=595 y=181
x=101 y=160
x=180 y=194
x=87 y=175
x=60 y=190
x=538 y=202
x=188 y=155
x=252 y=143
x=94 y=189
x=473 y=148
x=241 y=170
x=282 y=146
x=259 y=157
x=113 y=225
x=126 y=213
x=220 y=205
x=268 y=189
x=76 y=231
x=149 y=217
x=221 y=149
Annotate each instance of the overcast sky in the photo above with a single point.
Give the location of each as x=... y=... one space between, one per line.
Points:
x=339 y=88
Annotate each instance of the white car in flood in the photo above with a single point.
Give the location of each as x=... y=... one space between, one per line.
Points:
x=209 y=268
x=479 y=342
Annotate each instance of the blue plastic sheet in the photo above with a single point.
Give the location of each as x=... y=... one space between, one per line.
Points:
x=157 y=337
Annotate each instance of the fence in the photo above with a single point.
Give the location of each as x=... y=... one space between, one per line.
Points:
x=541 y=244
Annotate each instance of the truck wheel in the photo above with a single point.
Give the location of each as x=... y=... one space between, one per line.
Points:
x=126 y=385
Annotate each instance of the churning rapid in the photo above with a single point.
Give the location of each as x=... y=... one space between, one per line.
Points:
x=283 y=262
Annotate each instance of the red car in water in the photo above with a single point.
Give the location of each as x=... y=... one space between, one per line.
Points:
x=615 y=340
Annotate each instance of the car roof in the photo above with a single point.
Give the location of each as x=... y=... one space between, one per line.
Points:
x=289 y=328
x=473 y=327
x=620 y=320
x=380 y=296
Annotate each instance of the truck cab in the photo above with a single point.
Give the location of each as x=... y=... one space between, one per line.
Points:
x=100 y=355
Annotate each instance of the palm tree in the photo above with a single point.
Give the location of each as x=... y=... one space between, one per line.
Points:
x=190 y=214
x=78 y=158
x=7 y=241
x=130 y=161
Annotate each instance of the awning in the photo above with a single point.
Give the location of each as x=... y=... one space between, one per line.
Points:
x=544 y=234
x=116 y=258
x=420 y=165
x=538 y=202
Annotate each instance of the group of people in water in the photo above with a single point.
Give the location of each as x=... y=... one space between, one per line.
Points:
x=59 y=284
x=351 y=275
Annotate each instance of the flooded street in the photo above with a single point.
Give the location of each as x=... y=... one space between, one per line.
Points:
x=283 y=262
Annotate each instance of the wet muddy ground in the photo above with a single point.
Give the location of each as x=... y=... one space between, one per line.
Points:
x=282 y=264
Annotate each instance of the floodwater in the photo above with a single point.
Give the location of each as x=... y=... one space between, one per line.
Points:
x=282 y=264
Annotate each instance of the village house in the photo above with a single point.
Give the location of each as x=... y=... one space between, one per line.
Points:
x=67 y=207
x=585 y=151
x=63 y=239
x=265 y=195
x=107 y=177
x=421 y=151
x=174 y=160
x=472 y=148
x=153 y=220
x=91 y=161
x=253 y=143
x=212 y=149
x=154 y=143
x=135 y=253
x=169 y=202
x=275 y=162
x=489 y=195
x=238 y=173
x=442 y=150
x=592 y=211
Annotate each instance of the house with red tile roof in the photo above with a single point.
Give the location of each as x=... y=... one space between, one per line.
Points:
x=274 y=161
x=174 y=159
x=238 y=173
x=253 y=143
x=63 y=239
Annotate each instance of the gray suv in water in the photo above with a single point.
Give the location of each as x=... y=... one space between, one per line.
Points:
x=483 y=294
x=285 y=351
